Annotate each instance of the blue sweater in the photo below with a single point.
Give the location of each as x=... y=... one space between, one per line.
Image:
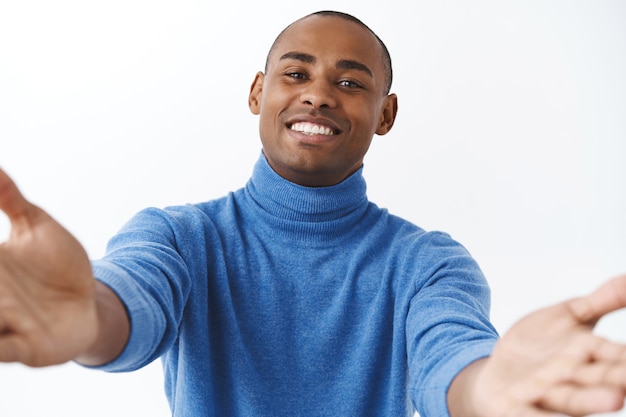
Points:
x=283 y=300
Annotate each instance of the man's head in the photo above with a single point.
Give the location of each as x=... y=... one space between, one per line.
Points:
x=323 y=96
x=385 y=57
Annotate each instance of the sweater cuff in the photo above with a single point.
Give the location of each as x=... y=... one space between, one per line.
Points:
x=433 y=400
x=146 y=322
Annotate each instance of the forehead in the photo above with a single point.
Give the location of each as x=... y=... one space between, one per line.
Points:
x=329 y=37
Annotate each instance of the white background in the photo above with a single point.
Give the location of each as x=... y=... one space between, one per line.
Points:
x=511 y=136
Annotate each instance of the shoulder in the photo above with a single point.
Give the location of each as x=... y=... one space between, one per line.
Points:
x=426 y=250
x=179 y=220
x=413 y=236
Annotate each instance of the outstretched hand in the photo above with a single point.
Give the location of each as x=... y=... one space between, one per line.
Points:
x=551 y=364
x=47 y=308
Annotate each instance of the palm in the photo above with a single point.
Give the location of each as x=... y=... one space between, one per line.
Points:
x=551 y=362
x=47 y=312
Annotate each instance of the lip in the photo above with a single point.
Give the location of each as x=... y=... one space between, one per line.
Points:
x=317 y=138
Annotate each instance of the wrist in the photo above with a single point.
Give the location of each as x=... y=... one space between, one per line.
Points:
x=113 y=328
x=461 y=397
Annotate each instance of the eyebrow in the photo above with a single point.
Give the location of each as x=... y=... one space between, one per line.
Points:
x=299 y=56
x=350 y=64
x=342 y=63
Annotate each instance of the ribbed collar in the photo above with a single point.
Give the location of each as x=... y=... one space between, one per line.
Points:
x=309 y=213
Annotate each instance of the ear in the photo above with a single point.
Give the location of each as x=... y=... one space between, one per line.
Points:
x=387 y=115
x=254 y=99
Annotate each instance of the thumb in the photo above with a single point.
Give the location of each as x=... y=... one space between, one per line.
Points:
x=12 y=202
x=609 y=297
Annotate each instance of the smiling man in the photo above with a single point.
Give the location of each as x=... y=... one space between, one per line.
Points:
x=321 y=100
x=295 y=295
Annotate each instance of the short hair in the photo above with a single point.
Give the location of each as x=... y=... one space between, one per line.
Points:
x=385 y=58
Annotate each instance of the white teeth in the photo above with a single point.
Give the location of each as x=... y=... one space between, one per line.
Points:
x=311 y=129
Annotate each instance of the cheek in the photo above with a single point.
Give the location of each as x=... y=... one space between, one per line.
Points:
x=364 y=114
x=270 y=112
x=270 y=129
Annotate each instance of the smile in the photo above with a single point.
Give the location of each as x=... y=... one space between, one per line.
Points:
x=312 y=129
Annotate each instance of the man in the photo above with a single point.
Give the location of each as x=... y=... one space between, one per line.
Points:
x=295 y=295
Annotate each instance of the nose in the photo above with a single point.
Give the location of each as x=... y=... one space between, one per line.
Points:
x=319 y=94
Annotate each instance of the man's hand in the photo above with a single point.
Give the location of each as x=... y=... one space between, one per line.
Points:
x=48 y=312
x=551 y=364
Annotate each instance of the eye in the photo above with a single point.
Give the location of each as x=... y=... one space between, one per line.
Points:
x=349 y=84
x=295 y=75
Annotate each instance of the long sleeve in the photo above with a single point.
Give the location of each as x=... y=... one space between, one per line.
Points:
x=448 y=323
x=146 y=266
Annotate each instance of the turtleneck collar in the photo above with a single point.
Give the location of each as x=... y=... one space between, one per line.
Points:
x=312 y=213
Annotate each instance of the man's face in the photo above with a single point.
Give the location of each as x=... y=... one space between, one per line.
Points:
x=321 y=100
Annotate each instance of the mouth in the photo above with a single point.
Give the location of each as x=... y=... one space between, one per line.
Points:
x=313 y=129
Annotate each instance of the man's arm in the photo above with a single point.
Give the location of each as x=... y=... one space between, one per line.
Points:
x=52 y=310
x=549 y=364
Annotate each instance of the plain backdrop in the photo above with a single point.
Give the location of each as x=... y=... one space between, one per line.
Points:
x=511 y=136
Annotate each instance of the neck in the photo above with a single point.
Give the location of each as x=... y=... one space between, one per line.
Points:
x=310 y=178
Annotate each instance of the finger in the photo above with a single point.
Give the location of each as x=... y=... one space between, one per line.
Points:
x=608 y=351
x=591 y=350
x=573 y=400
x=609 y=297
x=12 y=202
x=605 y=364
x=12 y=348
x=607 y=374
